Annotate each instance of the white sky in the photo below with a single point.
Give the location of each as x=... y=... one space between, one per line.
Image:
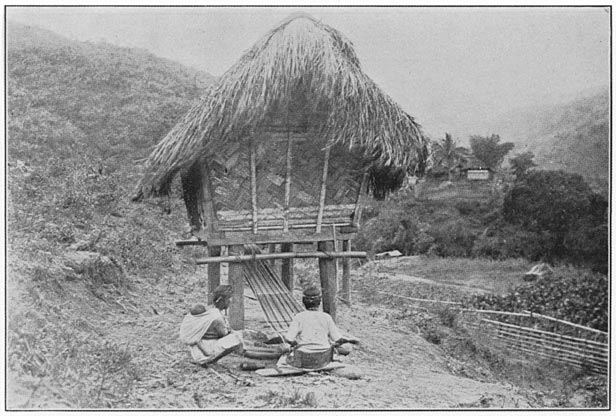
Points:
x=450 y=67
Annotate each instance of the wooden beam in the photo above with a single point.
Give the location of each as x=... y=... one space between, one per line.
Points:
x=345 y=290
x=327 y=273
x=268 y=237
x=287 y=267
x=304 y=255
x=323 y=188
x=236 y=280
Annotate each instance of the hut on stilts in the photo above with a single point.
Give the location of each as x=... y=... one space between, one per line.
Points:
x=280 y=152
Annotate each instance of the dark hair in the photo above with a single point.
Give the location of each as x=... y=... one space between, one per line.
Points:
x=221 y=294
x=312 y=297
x=311 y=301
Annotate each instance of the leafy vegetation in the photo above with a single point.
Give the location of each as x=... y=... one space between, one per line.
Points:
x=572 y=296
x=521 y=163
x=448 y=154
x=562 y=207
x=489 y=151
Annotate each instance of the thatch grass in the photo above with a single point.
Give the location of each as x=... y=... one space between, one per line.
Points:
x=301 y=59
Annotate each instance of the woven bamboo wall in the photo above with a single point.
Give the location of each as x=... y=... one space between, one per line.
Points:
x=232 y=185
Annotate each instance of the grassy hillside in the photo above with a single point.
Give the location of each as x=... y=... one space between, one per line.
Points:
x=572 y=136
x=111 y=103
x=79 y=115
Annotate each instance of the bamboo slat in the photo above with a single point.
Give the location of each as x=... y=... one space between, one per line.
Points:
x=419 y=299
x=253 y=187
x=566 y=337
x=323 y=188
x=556 y=340
x=551 y=345
x=341 y=210
x=274 y=222
x=300 y=255
x=287 y=183
x=358 y=202
x=279 y=227
x=571 y=324
x=480 y=311
x=529 y=349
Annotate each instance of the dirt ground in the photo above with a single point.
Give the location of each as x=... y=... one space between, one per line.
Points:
x=400 y=369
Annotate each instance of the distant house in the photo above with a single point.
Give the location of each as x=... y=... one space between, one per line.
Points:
x=478 y=174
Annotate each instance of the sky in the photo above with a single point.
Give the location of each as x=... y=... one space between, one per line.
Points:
x=452 y=68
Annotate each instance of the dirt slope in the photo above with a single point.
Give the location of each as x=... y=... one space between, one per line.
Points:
x=401 y=369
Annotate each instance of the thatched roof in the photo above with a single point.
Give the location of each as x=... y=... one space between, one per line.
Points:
x=301 y=57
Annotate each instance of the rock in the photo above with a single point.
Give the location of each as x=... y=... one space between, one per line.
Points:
x=537 y=272
x=350 y=371
x=92 y=265
x=79 y=245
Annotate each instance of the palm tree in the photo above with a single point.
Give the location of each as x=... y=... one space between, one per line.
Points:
x=448 y=154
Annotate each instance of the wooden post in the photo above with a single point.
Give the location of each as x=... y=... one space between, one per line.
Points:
x=272 y=249
x=327 y=272
x=236 y=279
x=345 y=294
x=287 y=267
x=213 y=274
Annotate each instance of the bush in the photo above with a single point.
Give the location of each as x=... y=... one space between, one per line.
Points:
x=391 y=229
x=513 y=242
x=548 y=201
x=562 y=206
x=581 y=298
x=453 y=238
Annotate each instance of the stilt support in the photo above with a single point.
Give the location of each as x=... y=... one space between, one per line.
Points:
x=213 y=274
x=236 y=279
x=327 y=272
x=345 y=290
x=287 y=267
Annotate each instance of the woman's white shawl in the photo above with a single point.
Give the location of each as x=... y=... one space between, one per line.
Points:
x=194 y=326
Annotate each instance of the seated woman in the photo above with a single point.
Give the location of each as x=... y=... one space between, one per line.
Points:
x=313 y=335
x=207 y=332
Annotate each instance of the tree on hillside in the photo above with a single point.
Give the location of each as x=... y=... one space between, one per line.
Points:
x=448 y=154
x=557 y=203
x=489 y=151
x=521 y=163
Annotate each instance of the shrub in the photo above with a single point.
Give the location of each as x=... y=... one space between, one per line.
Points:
x=562 y=205
x=453 y=238
x=548 y=201
x=513 y=242
x=391 y=229
x=578 y=297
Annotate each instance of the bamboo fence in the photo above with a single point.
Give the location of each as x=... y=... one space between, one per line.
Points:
x=542 y=337
x=532 y=334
